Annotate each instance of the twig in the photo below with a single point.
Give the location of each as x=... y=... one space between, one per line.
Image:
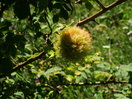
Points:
x=28 y=61
x=49 y=25
x=22 y=64
x=95 y=22
x=91 y=18
x=97 y=83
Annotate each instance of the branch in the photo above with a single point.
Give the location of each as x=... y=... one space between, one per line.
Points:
x=91 y=18
x=49 y=25
x=22 y=64
x=97 y=83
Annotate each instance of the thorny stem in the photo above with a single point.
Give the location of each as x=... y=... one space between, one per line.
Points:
x=20 y=65
x=97 y=83
x=91 y=18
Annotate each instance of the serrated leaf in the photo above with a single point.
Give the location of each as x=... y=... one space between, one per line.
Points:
x=78 y=79
x=77 y=72
x=67 y=7
x=51 y=53
x=19 y=94
x=69 y=77
x=84 y=75
x=4 y=25
x=70 y=68
x=120 y=96
x=126 y=67
x=53 y=69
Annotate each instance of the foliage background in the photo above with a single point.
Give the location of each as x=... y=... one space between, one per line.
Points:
x=28 y=27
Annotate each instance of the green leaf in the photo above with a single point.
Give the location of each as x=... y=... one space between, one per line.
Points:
x=51 y=53
x=78 y=79
x=19 y=95
x=69 y=77
x=5 y=25
x=104 y=65
x=67 y=7
x=120 y=96
x=126 y=67
x=51 y=70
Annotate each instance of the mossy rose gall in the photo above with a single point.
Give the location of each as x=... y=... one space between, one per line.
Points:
x=73 y=43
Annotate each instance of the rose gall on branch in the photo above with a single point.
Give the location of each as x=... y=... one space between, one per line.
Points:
x=73 y=43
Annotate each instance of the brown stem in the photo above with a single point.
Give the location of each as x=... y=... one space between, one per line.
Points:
x=22 y=64
x=97 y=83
x=91 y=18
x=28 y=61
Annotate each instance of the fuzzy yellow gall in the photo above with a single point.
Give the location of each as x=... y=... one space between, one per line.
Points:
x=73 y=43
